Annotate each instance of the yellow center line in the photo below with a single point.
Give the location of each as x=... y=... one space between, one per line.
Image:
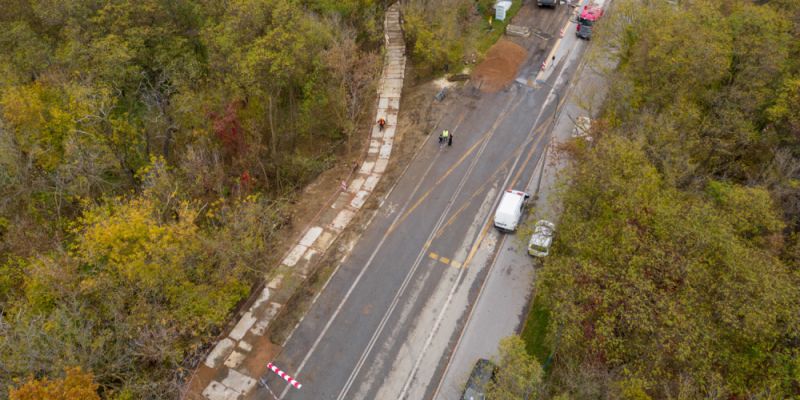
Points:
x=436 y=184
x=534 y=131
x=469 y=200
x=485 y=230
x=527 y=159
x=480 y=189
x=477 y=243
x=450 y=170
x=444 y=260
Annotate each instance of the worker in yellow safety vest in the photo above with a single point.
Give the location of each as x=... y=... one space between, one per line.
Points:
x=445 y=136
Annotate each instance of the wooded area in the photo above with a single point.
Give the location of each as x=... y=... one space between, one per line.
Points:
x=676 y=270
x=440 y=33
x=148 y=150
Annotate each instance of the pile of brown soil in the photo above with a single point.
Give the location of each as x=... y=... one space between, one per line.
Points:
x=500 y=66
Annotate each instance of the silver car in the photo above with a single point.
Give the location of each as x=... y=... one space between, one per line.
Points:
x=541 y=239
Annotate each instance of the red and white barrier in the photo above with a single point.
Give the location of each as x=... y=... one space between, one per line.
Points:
x=285 y=376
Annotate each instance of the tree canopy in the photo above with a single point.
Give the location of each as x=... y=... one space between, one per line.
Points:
x=519 y=377
x=148 y=152
x=76 y=385
x=675 y=269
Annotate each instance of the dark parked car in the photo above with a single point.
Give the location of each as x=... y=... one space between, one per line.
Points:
x=480 y=377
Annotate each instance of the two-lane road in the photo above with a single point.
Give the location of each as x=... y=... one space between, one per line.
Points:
x=385 y=324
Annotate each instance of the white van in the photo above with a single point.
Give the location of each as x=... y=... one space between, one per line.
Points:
x=509 y=212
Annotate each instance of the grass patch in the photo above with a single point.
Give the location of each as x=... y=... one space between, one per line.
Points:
x=535 y=330
x=496 y=30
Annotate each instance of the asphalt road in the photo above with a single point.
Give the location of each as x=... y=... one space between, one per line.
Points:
x=500 y=310
x=386 y=324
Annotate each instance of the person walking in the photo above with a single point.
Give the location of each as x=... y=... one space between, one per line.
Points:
x=450 y=139
x=381 y=123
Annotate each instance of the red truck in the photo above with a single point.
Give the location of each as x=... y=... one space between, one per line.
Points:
x=589 y=15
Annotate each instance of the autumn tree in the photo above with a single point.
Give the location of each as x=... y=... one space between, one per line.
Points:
x=640 y=265
x=518 y=375
x=148 y=151
x=355 y=72
x=75 y=385
x=437 y=33
x=674 y=272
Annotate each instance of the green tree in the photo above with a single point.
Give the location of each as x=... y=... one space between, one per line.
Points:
x=518 y=375
x=438 y=32
x=128 y=228
x=641 y=266
x=673 y=273
x=29 y=53
x=784 y=113
x=42 y=117
x=135 y=247
x=633 y=389
x=750 y=210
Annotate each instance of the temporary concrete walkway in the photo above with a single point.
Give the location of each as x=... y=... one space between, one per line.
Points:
x=235 y=363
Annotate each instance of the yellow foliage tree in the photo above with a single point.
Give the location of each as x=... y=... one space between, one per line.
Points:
x=42 y=117
x=518 y=375
x=75 y=385
x=129 y=242
x=158 y=254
